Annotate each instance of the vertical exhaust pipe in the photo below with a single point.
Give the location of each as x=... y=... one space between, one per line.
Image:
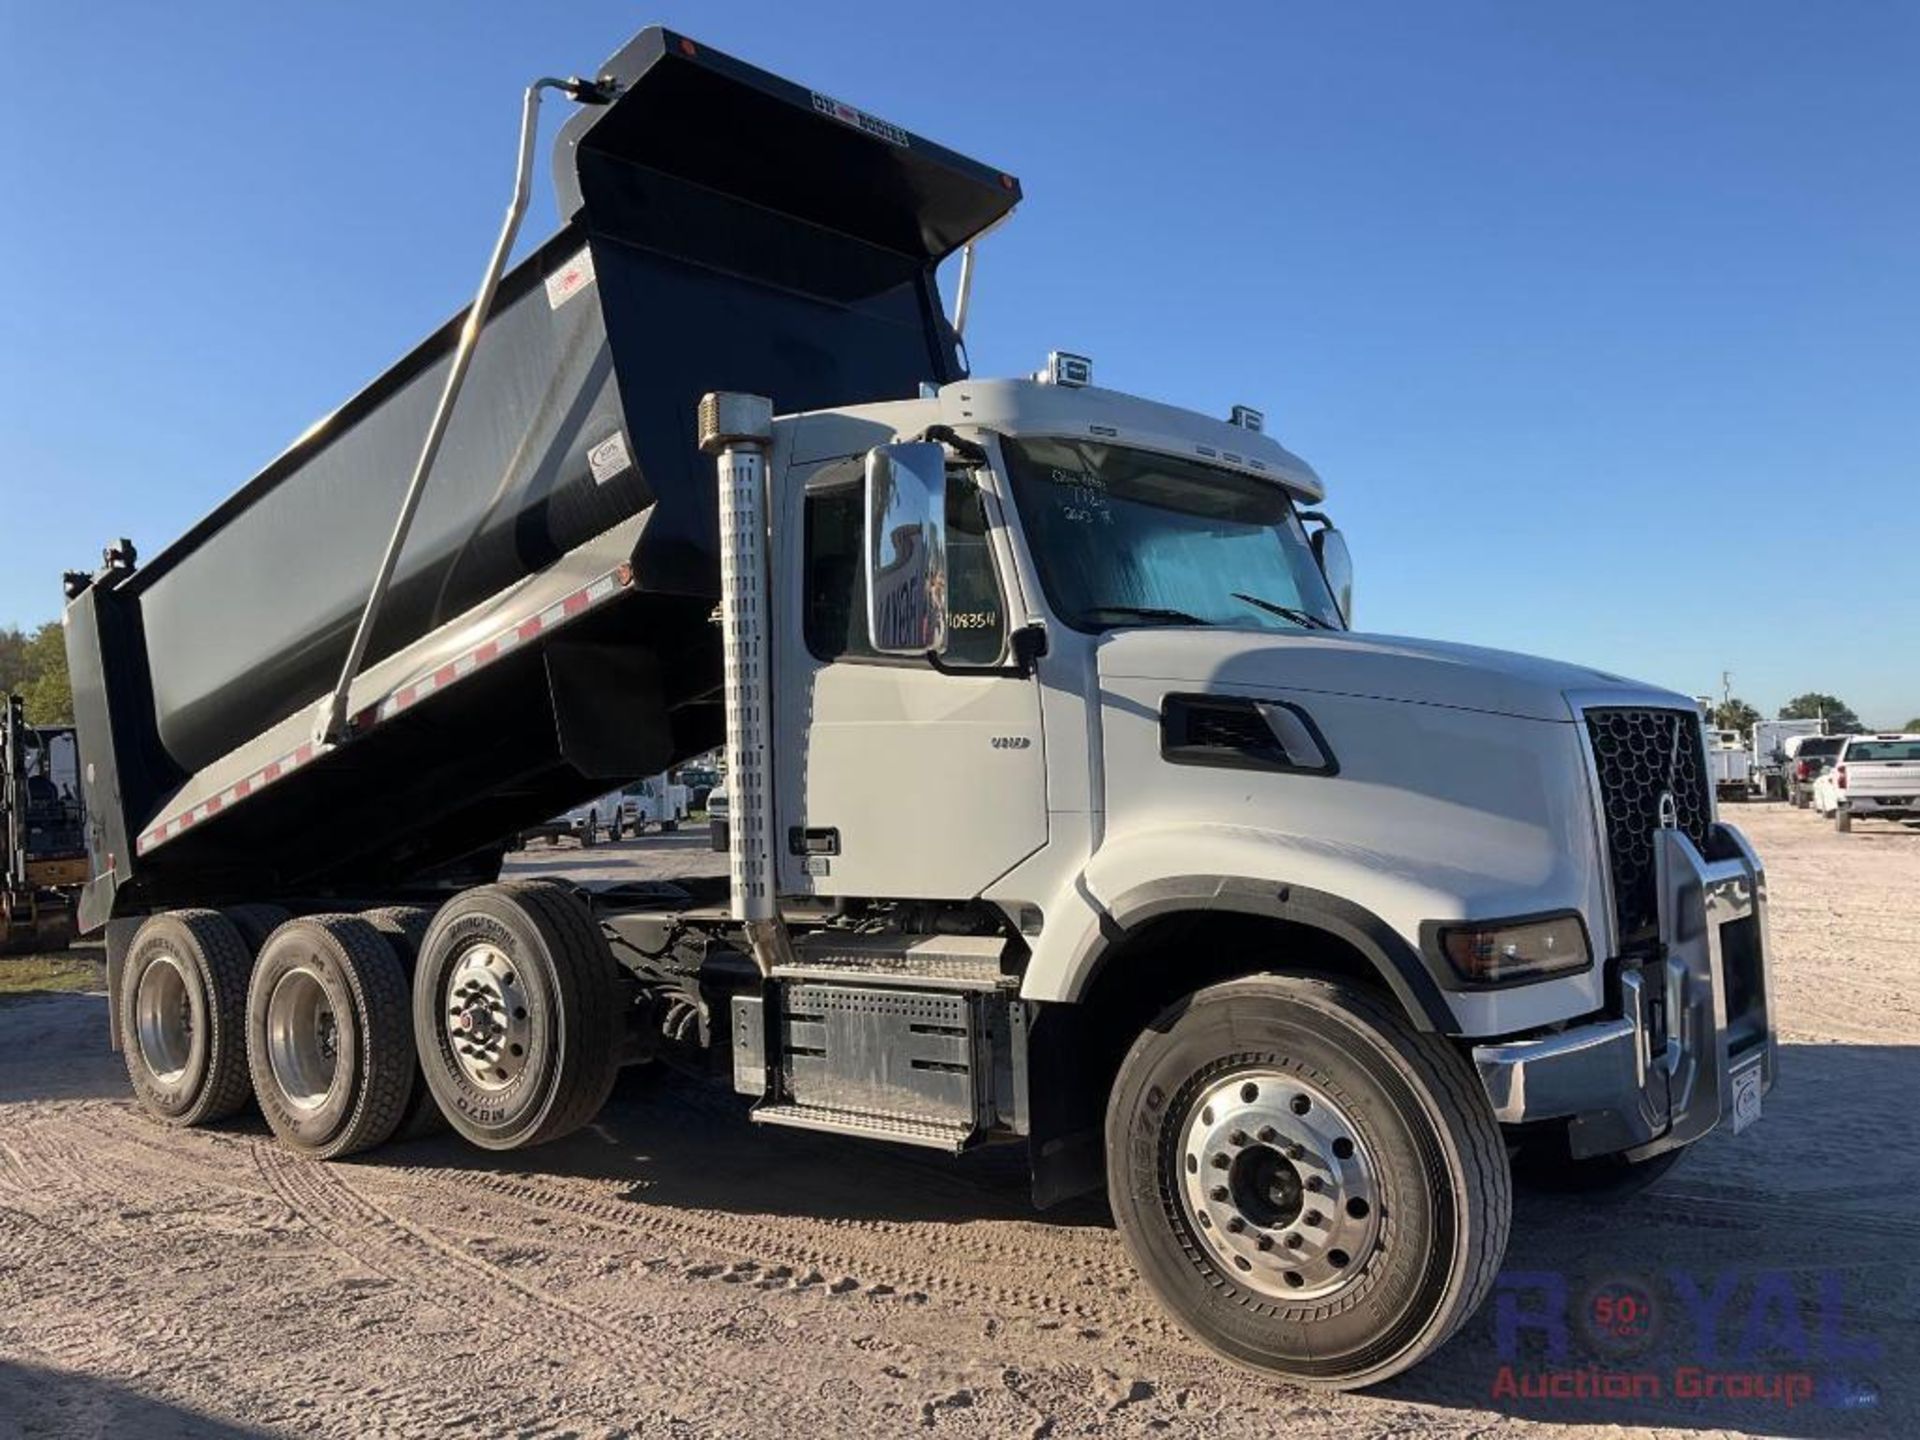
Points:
x=738 y=430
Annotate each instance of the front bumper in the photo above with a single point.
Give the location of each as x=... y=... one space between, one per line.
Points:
x=1627 y=1083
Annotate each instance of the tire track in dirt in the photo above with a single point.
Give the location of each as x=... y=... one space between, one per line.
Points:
x=412 y=1256
x=863 y=1251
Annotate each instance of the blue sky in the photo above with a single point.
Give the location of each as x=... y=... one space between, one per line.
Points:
x=1589 y=314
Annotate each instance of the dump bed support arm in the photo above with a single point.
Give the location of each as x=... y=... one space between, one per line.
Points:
x=331 y=728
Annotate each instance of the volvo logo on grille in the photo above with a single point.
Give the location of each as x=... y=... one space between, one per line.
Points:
x=1669 y=811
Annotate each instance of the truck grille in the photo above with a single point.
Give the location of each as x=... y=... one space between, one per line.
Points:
x=1640 y=754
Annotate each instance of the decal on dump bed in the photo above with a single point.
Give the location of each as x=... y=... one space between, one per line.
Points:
x=570 y=279
x=860 y=120
x=609 y=458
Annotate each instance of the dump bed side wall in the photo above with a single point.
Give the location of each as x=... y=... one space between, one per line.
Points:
x=254 y=620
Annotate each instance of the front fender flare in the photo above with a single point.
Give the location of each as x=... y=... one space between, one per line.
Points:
x=1250 y=873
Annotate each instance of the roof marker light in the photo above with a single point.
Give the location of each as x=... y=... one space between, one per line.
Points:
x=1066 y=369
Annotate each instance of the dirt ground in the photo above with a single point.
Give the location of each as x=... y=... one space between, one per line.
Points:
x=672 y=1270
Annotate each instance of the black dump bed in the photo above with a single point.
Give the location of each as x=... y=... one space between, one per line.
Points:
x=723 y=230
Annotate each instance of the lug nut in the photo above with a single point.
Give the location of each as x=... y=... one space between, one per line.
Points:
x=1218 y=1194
x=1236 y=1224
x=1296 y=1152
x=1221 y=1162
x=1293 y=1242
x=1267 y=1134
x=1265 y=1242
x=1313 y=1183
x=1312 y=1217
x=1239 y=1137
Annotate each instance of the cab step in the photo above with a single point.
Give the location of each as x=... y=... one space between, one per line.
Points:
x=948 y=1136
x=917 y=962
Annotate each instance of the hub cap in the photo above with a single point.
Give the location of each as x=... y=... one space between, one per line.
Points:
x=1279 y=1187
x=486 y=1010
x=303 y=1039
x=163 y=1019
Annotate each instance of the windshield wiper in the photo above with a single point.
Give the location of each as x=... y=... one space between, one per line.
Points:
x=1285 y=612
x=1143 y=612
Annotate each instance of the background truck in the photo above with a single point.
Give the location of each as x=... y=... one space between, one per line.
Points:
x=1873 y=777
x=43 y=855
x=1769 y=752
x=657 y=800
x=1731 y=763
x=1808 y=758
x=1065 y=808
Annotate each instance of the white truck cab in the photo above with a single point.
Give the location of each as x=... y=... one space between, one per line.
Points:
x=1083 y=662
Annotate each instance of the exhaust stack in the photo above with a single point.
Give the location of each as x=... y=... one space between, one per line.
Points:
x=737 y=430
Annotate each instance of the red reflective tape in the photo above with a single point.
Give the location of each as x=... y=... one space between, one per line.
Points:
x=527 y=629
x=575 y=603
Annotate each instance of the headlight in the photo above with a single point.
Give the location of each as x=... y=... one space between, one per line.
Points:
x=1503 y=952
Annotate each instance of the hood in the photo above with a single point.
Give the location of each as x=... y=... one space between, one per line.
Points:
x=1383 y=667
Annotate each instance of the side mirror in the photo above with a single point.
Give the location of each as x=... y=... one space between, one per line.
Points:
x=906 y=550
x=1330 y=549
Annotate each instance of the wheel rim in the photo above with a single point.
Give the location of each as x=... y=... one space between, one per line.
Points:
x=303 y=1039
x=1279 y=1187
x=163 y=1019
x=486 y=1009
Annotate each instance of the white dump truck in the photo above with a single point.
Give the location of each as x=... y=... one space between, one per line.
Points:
x=1067 y=808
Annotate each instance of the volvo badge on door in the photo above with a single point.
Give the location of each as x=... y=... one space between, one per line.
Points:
x=906 y=549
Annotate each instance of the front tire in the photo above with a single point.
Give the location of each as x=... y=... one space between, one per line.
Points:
x=518 y=1014
x=1309 y=1185
x=183 y=1017
x=328 y=1036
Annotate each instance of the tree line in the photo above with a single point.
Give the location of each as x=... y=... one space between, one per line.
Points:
x=1737 y=714
x=33 y=665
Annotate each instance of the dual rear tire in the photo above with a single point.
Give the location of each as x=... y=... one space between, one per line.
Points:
x=510 y=996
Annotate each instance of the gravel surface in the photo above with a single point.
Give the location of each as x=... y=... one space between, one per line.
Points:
x=672 y=1270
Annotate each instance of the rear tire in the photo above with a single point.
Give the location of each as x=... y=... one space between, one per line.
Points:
x=404 y=927
x=328 y=1036
x=1290 y=1136
x=255 y=923
x=518 y=1014
x=183 y=1017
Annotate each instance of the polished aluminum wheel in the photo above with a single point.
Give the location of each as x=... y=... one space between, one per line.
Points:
x=486 y=1009
x=303 y=1039
x=1279 y=1187
x=163 y=1019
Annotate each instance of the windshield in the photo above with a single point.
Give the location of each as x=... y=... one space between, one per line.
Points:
x=1125 y=537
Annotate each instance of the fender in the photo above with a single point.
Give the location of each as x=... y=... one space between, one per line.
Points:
x=1355 y=895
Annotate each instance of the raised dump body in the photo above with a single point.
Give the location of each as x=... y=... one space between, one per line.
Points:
x=549 y=626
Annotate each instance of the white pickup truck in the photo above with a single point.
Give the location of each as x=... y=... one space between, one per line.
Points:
x=1875 y=777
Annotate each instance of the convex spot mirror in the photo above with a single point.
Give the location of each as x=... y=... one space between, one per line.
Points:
x=906 y=549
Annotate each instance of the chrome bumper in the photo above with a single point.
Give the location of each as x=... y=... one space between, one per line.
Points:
x=1606 y=1077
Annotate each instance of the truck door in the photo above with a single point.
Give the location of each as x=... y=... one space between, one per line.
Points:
x=894 y=778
